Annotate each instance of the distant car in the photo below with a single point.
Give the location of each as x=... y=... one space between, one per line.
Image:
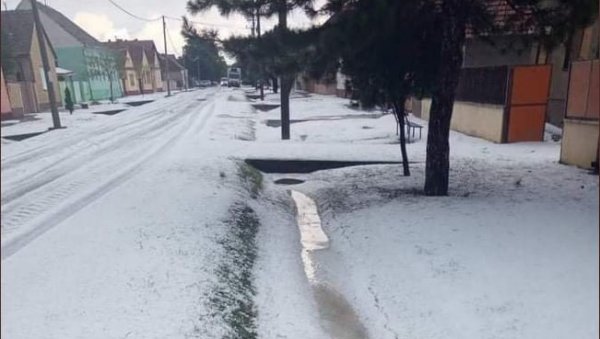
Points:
x=224 y=81
x=205 y=83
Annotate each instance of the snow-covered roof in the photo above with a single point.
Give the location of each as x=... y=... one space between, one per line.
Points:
x=63 y=71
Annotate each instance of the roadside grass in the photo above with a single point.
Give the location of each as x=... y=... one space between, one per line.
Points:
x=251 y=179
x=232 y=298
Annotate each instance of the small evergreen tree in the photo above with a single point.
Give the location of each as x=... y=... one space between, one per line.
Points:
x=383 y=45
x=69 y=101
x=201 y=53
x=285 y=68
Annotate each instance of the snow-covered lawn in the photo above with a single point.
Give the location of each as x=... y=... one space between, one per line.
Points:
x=127 y=226
x=511 y=253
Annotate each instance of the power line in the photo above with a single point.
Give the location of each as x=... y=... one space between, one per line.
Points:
x=204 y=23
x=175 y=50
x=131 y=14
x=169 y=17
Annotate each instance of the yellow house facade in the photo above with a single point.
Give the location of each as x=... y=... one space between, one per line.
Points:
x=40 y=87
x=141 y=72
x=25 y=80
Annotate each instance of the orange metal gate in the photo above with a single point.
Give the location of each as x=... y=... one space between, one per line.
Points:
x=525 y=114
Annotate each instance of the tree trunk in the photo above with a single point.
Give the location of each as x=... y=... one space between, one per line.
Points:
x=438 y=149
x=260 y=67
x=262 y=90
x=287 y=82
x=282 y=12
x=400 y=114
x=568 y=50
x=275 y=84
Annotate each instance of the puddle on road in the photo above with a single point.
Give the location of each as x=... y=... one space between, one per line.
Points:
x=337 y=315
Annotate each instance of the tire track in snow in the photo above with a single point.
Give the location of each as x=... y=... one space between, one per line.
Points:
x=57 y=157
x=64 y=167
x=79 y=138
x=56 y=201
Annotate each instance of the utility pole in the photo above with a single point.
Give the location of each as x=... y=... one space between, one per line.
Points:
x=253 y=25
x=166 y=57
x=39 y=29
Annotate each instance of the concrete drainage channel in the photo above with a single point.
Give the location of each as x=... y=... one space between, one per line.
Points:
x=337 y=316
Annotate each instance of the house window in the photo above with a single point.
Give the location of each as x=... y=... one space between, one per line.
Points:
x=131 y=80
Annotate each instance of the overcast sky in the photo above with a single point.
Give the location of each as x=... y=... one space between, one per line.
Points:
x=104 y=21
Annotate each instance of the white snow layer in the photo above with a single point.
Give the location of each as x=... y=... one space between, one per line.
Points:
x=111 y=227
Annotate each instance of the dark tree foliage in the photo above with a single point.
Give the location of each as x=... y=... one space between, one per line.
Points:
x=201 y=53
x=252 y=10
x=285 y=69
x=386 y=47
x=420 y=43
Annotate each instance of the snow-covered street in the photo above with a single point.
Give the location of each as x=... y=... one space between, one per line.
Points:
x=148 y=224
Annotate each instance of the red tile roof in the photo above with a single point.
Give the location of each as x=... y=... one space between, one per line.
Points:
x=506 y=18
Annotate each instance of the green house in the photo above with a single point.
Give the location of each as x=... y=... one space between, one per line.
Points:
x=93 y=70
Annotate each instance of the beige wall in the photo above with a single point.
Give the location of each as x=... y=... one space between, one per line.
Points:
x=579 y=142
x=146 y=75
x=4 y=101
x=131 y=87
x=36 y=63
x=14 y=94
x=478 y=120
x=130 y=72
x=158 y=84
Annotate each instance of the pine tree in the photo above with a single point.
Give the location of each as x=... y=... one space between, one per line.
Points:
x=267 y=8
x=383 y=46
x=201 y=53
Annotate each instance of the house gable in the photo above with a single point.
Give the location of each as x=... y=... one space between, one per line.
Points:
x=19 y=31
x=40 y=85
x=156 y=60
x=58 y=35
x=145 y=65
x=128 y=60
x=63 y=32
